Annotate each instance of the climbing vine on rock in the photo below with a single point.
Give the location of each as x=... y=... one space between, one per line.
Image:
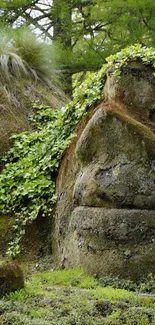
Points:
x=28 y=181
x=132 y=53
x=27 y=184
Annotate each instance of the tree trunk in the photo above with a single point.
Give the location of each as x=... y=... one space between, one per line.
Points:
x=62 y=32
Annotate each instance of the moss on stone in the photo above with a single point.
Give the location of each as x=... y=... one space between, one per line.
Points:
x=11 y=278
x=141 y=128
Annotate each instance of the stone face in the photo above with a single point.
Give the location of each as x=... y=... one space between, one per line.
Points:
x=117 y=167
x=104 y=219
x=11 y=278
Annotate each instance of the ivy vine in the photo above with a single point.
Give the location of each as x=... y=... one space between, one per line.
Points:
x=135 y=52
x=27 y=183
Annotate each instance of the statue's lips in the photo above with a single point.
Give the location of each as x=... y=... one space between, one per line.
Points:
x=116 y=225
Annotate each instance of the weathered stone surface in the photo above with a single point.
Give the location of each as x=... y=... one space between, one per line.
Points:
x=111 y=241
x=134 y=91
x=104 y=219
x=11 y=278
x=114 y=225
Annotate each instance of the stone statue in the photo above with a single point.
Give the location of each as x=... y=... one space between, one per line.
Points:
x=105 y=215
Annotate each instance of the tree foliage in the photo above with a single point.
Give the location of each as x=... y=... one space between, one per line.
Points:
x=85 y=32
x=89 y=30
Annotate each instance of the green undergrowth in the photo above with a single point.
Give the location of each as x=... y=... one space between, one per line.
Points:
x=73 y=277
x=146 y=284
x=27 y=183
x=71 y=297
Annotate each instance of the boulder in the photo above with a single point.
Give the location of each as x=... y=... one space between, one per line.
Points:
x=105 y=215
x=11 y=278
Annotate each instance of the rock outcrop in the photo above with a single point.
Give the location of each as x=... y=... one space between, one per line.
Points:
x=16 y=107
x=105 y=215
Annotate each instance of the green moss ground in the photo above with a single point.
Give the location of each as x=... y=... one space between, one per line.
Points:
x=72 y=297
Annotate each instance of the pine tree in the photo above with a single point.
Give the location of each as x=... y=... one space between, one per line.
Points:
x=85 y=32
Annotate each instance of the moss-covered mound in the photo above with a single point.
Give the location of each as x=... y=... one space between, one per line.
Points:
x=71 y=297
x=11 y=278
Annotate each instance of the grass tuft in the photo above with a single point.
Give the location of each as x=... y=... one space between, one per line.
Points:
x=22 y=54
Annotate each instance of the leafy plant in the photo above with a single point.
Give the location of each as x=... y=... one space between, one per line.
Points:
x=145 y=285
x=21 y=295
x=148 y=285
x=118 y=283
x=132 y=53
x=29 y=177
